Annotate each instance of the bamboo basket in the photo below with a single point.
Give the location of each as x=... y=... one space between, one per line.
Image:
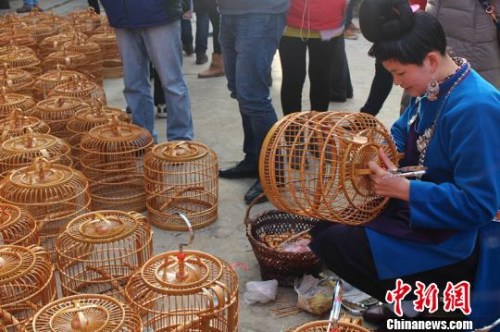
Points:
x=53 y=78
x=21 y=151
x=85 y=313
x=10 y=102
x=185 y=290
x=181 y=177
x=57 y=111
x=99 y=248
x=275 y=263
x=82 y=89
x=85 y=120
x=17 y=124
x=112 y=158
x=17 y=227
x=27 y=283
x=17 y=81
x=53 y=194
x=316 y=164
x=321 y=326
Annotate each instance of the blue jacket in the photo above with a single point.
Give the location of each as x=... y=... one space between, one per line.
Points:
x=462 y=194
x=135 y=14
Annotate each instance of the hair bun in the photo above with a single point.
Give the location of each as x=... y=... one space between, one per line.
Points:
x=385 y=19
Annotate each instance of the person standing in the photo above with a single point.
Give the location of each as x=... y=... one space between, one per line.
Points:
x=249 y=36
x=152 y=34
x=29 y=5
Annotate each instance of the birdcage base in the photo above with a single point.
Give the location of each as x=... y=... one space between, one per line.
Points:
x=163 y=213
x=122 y=197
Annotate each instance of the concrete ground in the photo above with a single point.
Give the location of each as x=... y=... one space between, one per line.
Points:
x=218 y=124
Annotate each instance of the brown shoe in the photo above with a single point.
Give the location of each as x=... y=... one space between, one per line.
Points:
x=23 y=9
x=216 y=68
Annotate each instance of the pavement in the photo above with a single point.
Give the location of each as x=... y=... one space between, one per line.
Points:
x=218 y=124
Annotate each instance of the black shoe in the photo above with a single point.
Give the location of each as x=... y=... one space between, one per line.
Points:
x=243 y=169
x=188 y=48
x=201 y=58
x=254 y=191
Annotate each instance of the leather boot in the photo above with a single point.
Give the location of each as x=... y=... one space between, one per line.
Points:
x=216 y=68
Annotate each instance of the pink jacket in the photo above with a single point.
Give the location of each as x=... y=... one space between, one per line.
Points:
x=316 y=15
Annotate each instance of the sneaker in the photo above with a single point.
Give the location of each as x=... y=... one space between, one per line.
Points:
x=201 y=58
x=161 y=111
x=350 y=34
x=24 y=9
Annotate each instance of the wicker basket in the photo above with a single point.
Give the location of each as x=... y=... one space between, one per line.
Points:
x=321 y=326
x=17 y=226
x=280 y=265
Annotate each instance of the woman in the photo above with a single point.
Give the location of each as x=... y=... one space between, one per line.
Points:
x=316 y=27
x=439 y=229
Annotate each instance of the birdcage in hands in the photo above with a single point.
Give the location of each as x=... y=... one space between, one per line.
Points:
x=316 y=164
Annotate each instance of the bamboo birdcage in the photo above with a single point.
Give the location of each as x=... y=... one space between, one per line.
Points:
x=112 y=157
x=80 y=88
x=27 y=284
x=10 y=102
x=112 y=63
x=16 y=38
x=21 y=151
x=185 y=290
x=40 y=30
x=56 y=43
x=53 y=194
x=53 y=78
x=17 y=226
x=181 y=177
x=57 y=111
x=102 y=247
x=86 y=313
x=316 y=164
x=21 y=58
x=17 y=124
x=17 y=81
x=85 y=20
x=85 y=120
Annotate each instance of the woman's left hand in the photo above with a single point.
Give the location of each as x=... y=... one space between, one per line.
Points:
x=385 y=183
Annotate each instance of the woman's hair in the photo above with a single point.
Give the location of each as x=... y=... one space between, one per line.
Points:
x=398 y=33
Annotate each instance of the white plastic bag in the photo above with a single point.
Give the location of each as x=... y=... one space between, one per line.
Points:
x=315 y=295
x=260 y=291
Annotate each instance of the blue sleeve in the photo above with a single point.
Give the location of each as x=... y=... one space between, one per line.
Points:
x=472 y=141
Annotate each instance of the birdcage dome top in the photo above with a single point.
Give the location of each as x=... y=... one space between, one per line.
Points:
x=180 y=151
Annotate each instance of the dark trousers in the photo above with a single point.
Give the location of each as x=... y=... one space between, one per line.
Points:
x=345 y=250
x=95 y=4
x=340 y=76
x=202 y=27
x=186 y=32
x=293 y=62
x=379 y=90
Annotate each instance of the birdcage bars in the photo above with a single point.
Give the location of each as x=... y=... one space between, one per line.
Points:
x=53 y=194
x=112 y=157
x=12 y=101
x=27 y=283
x=80 y=88
x=100 y=248
x=17 y=226
x=21 y=58
x=316 y=164
x=17 y=81
x=53 y=78
x=17 y=124
x=181 y=176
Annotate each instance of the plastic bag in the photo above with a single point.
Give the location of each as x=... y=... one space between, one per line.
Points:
x=260 y=291
x=299 y=246
x=315 y=295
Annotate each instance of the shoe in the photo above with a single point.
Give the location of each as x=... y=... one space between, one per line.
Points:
x=161 y=111
x=242 y=170
x=349 y=34
x=24 y=9
x=128 y=110
x=201 y=58
x=216 y=68
x=254 y=191
x=188 y=49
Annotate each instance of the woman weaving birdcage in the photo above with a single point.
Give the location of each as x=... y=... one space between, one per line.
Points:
x=439 y=229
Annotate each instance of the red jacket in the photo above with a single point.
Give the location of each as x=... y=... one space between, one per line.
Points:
x=316 y=14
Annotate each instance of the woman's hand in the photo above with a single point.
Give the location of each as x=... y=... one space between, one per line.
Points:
x=385 y=184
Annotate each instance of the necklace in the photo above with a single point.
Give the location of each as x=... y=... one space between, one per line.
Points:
x=424 y=139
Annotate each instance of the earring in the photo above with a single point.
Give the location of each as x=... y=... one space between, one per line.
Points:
x=432 y=90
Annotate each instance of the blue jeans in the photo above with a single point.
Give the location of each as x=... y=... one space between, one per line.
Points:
x=161 y=45
x=30 y=3
x=248 y=44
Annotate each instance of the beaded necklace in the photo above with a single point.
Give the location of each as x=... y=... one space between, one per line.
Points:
x=424 y=139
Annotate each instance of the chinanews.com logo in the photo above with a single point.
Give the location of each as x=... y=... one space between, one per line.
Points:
x=455 y=297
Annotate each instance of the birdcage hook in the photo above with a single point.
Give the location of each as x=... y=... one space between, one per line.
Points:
x=190 y=229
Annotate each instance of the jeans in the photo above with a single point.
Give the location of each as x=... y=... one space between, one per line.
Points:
x=186 y=32
x=162 y=46
x=248 y=44
x=203 y=20
x=30 y=3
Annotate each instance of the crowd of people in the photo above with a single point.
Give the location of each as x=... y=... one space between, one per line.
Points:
x=448 y=126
